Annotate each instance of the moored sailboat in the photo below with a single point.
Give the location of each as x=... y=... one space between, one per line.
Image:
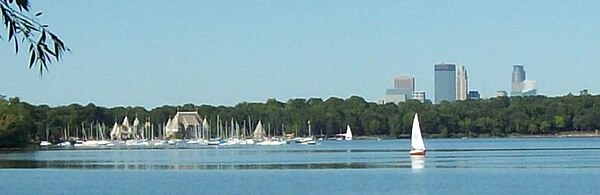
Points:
x=417 y=146
x=46 y=142
x=348 y=135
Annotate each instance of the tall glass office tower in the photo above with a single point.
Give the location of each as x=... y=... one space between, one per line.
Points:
x=445 y=82
x=516 y=83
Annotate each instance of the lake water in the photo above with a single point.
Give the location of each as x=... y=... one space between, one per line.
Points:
x=452 y=166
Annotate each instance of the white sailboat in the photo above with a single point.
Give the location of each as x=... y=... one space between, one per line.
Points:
x=46 y=142
x=259 y=132
x=417 y=147
x=348 y=133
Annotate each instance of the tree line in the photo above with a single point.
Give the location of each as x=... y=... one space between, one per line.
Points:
x=22 y=123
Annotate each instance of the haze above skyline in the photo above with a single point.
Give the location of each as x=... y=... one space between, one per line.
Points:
x=150 y=53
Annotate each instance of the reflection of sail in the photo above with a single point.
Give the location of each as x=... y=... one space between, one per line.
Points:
x=417 y=162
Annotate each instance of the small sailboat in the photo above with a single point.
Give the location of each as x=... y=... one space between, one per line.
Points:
x=417 y=147
x=348 y=135
x=46 y=143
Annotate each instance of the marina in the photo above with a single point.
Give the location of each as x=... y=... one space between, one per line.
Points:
x=185 y=130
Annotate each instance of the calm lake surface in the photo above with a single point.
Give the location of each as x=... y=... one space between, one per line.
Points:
x=452 y=166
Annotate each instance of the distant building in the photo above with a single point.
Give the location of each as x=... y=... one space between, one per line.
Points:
x=462 y=84
x=402 y=91
x=519 y=85
x=395 y=96
x=405 y=82
x=474 y=95
x=516 y=83
x=419 y=95
x=445 y=82
x=529 y=88
x=501 y=94
x=188 y=122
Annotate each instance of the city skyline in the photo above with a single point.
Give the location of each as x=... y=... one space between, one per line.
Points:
x=224 y=53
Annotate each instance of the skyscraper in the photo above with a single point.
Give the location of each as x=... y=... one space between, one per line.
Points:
x=518 y=76
x=462 y=84
x=445 y=82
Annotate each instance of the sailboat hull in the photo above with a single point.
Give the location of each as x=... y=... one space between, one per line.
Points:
x=417 y=152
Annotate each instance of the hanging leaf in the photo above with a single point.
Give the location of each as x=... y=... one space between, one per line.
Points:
x=32 y=58
x=10 y=33
x=16 y=46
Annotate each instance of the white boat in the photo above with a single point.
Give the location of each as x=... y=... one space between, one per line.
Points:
x=348 y=133
x=158 y=142
x=213 y=142
x=193 y=142
x=137 y=142
x=231 y=141
x=310 y=142
x=271 y=143
x=64 y=144
x=417 y=147
x=81 y=143
x=247 y=142
x=46 y=143
x=172 y=142
x=303 y=139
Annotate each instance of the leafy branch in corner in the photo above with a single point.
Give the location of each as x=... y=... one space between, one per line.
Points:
x=44 y=45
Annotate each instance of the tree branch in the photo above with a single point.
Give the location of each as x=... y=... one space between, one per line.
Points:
x=27 y=28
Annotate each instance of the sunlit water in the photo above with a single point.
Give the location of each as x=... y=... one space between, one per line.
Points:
x=452 y=166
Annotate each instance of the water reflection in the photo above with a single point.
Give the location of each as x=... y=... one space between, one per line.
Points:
x=141 y=166
x=337 y=155
x=417 y=162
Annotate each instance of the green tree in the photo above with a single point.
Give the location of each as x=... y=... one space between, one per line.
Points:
x=44 y=45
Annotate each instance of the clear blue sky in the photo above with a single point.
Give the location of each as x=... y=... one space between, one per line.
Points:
x=154 y=52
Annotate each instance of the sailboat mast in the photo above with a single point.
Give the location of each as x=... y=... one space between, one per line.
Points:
x=309 y=133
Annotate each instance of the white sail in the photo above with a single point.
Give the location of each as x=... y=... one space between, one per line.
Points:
x=416 y=140
x=126 y=123
x=172 y=126
x=134 y=128
x=348 y=133
x=114 y=132
x=136 y=122
x=259 y=132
